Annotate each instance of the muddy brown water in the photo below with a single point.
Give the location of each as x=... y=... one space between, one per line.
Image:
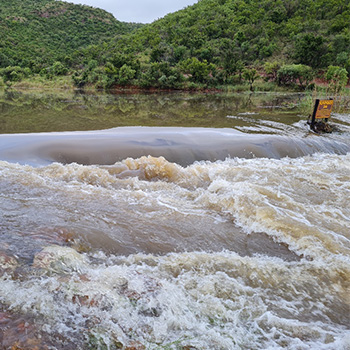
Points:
x=172 y=221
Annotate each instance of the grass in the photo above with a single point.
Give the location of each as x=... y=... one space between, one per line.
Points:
x=341 y=98
x=38 y=82
x=258 y=86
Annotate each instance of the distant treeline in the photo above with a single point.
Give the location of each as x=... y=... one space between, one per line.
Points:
x=208 y=45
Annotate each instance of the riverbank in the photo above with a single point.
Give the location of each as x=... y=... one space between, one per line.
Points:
x=37 y=82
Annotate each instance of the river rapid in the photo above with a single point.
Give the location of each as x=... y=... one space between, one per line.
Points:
x=177 y=237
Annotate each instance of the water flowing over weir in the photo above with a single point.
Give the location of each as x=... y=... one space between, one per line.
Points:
x=175 y=238
x=178 y=145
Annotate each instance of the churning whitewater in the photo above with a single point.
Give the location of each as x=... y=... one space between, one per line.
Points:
x=228 y=254
x=222 y=225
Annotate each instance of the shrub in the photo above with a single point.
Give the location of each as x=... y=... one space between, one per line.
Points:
x=98 y=77
x=57 y=69
x=337 y=78
x=295 y=74
x=271 y=70
x=250 y=75
x=161 y=75
x=126 y=74
x=199 y=70
x=343 y=60
x=80 y=78
x=310 y=50
x=14 y=73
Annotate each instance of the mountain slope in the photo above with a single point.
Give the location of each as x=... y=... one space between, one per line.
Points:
x=35 y=33
x=211 y=43
x=223 y=31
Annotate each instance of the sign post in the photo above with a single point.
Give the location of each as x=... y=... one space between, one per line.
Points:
x=322 y=112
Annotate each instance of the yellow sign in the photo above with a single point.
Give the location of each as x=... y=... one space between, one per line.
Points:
x=324 y=109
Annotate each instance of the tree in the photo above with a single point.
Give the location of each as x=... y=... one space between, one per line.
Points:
x=271 y=69
x=198 y=70
x=5 y=61
x=126 y=74
x=250 y=75
x=310 y=50
x=343 y=60
x=337 y=78
x=14 y=74
x=80 y=78
x=59 y=69
x=295 y=74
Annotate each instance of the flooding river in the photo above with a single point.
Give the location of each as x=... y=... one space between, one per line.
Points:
x=172 y=221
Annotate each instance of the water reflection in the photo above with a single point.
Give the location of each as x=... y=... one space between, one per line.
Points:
x=24 y=112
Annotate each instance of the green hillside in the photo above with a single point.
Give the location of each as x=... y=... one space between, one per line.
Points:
x=312 y=32
x=37 y=33
x=210 y=44
x=220 y=42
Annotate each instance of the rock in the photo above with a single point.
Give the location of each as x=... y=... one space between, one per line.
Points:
x=21 y=332
x=59 y=259
x=84 y=300
x=135 y=345
x=322 y=127
x=59 y=236
x=18 y=334
x=7 y=263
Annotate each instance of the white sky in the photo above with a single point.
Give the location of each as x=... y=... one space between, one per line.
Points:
x=142 y=11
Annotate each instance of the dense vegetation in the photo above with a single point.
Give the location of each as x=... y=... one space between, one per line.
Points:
x=37 y=33
x=210 y=44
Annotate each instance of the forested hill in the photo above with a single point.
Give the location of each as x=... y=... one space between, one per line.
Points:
x=219 y=42
x=35 y=33
x=223 y=32
x=212 y=43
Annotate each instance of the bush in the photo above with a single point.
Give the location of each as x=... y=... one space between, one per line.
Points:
x=80 y=78
x=337 y=78
x=343 y=60
x=199 y=70
x=15 y=73
x=295 y=74
x=126 y=74
x=161 y=75
x=250 y=75
x=98 y=77
x=57 y=69
x=5 y=61
x=271 y=70
x=310 y=50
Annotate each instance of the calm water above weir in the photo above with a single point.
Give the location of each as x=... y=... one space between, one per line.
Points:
x=35 y=112
x=172 y=221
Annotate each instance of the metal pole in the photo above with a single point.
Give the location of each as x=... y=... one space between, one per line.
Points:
x=313 y=118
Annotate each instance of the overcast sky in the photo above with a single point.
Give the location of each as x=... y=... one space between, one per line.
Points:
x=143 y=11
